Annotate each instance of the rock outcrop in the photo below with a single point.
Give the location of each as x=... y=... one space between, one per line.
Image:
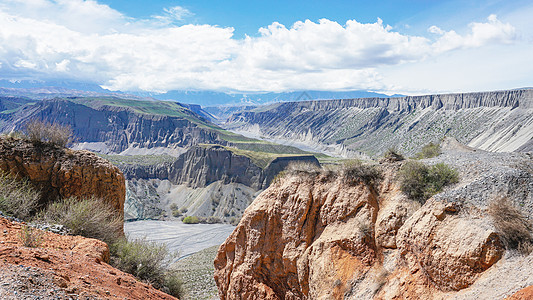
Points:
x=316 y=236
x=494 y=121
x=61 y=173
x=63 y=267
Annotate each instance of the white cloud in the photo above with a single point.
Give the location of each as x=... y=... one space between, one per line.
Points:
x=172 y=14
x=46 y=39
x=491 y=32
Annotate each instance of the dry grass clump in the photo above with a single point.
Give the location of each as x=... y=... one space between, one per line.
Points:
x=419 y=182
x=303 y=167
x=38 y=131
x=88 y=217
x=514 y=228
x=355 y=172
x=18 y=198
x=149 y=262
x=392 y=155
x=30 y=237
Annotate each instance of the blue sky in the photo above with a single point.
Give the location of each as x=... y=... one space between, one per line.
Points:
x=410 y=47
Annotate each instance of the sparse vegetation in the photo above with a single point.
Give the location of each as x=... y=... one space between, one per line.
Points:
x=30 y=237
x=38 y=131
x=355 y=171
x=513 y=227
x=89 y=217
x=18 y=198
x=419 y=182
x=392 y=155
x=428 y=151
x=149 y=262
x=191 y=220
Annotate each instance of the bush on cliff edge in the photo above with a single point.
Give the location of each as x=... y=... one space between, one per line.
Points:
x=88 y=217
x=38 y=131
x=149 y=262
x=513 y=227
x=419 y=182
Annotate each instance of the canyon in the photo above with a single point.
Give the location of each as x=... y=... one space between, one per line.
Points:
x=493 y=121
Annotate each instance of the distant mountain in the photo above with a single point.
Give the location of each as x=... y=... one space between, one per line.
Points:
x=207 y=98
x=58 y=88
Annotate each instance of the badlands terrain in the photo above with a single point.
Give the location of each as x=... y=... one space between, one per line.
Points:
x=317 y=232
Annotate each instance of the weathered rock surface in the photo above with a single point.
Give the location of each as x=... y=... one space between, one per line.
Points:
x=316 y=237
x=494 y=121
x=63 y=267
x=207 y=180
x=61 y=172
x=203 y=165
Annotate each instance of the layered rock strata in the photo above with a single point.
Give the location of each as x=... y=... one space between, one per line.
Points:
x=494 y=121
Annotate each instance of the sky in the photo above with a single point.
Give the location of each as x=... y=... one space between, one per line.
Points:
x=394 y=47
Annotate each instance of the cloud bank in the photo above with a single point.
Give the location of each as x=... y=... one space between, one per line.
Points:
x=88 y=41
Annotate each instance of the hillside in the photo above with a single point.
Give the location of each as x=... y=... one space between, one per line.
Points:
x=493 y=121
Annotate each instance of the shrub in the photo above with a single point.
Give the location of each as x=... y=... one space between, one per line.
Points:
x=392 y=155
x=38 y=131
x=301 y=166
x=148 y=261
x=176 y=213
x=419 y=182
x=428 y=151
x=18 y=198
x=355 y=171
x=191 y=220
x=513 y=227
x=30 y=237
x=89 y=217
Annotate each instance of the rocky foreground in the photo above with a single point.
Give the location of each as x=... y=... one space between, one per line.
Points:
x=323 y=236
x=63 y=267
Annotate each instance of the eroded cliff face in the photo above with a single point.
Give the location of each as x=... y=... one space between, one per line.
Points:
x=61 y=173
x=109 y=129
x=315 y=236
x=494 y=121
x=207 y=180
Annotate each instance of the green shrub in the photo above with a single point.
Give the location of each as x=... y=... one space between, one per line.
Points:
x=30 y=237
x=38 y=131
x=176 y=213
x=191 y=220
x=18 y=198
x=148 y=261
x=88 y=217
x=355 y=172
x=428 y=151
x=419 y=182
x=513 y=227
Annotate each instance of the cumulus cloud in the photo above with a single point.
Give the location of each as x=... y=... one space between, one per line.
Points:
x=491 y=32
x=45 y=39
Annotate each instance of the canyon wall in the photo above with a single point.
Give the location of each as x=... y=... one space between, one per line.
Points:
x=494 y=121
